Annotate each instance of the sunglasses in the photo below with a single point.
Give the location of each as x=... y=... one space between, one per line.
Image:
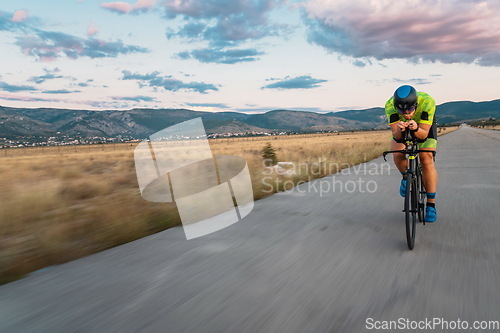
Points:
x=402 y=109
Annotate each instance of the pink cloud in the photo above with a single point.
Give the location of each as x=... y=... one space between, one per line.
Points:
x=119 y=6
x=429 y=30
x=50 y=45
x=24 y=98
x=19 y=15
x=93 y=29
x=144 y=4
x=225 y=22
x=125 y=7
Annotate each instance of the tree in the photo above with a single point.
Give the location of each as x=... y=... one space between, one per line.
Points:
x=269 y=155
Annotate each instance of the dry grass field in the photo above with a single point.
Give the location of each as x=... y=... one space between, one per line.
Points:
x=487 y=126
x=496 y=127
x=61 y=203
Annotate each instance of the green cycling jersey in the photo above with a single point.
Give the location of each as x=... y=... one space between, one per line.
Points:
x=426 y=107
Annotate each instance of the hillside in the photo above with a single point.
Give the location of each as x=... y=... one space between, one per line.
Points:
x=140 y=123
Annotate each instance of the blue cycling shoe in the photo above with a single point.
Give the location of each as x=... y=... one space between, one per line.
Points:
x=430 y=214
x=402 y=188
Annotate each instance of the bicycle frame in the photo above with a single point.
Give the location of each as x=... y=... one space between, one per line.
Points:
x=415 y=193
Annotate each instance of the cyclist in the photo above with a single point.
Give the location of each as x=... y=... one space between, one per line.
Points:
x=414 y=111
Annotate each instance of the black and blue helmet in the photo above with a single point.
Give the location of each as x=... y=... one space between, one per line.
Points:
x=405 y=98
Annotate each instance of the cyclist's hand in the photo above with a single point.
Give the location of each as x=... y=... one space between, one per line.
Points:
x=412 y=125
x=402 y=125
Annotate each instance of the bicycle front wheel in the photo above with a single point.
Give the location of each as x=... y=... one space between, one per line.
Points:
x=411 y=203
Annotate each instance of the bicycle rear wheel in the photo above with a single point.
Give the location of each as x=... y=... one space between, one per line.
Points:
x=411 y=209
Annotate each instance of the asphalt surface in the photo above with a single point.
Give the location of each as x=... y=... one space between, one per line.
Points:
x=307 y=260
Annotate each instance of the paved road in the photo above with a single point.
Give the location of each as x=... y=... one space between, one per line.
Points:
x=302 y=261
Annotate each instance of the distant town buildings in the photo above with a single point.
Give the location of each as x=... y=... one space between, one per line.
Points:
x=59 y=140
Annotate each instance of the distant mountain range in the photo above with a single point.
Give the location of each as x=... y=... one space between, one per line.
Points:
x=140 y=123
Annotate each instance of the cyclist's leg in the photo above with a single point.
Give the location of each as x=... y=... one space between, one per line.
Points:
x=430 y=178
x=401 y=163
x=399 y=159
x=429 y=173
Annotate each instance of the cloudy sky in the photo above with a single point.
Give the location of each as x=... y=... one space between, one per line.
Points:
x=245 y=55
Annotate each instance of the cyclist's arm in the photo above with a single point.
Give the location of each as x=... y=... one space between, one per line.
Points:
x=396 y=130
x=428 y=109
x=423 y=131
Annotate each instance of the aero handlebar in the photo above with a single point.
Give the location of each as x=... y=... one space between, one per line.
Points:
x=408 y=139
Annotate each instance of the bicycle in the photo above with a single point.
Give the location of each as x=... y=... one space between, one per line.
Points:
x=414 y=204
